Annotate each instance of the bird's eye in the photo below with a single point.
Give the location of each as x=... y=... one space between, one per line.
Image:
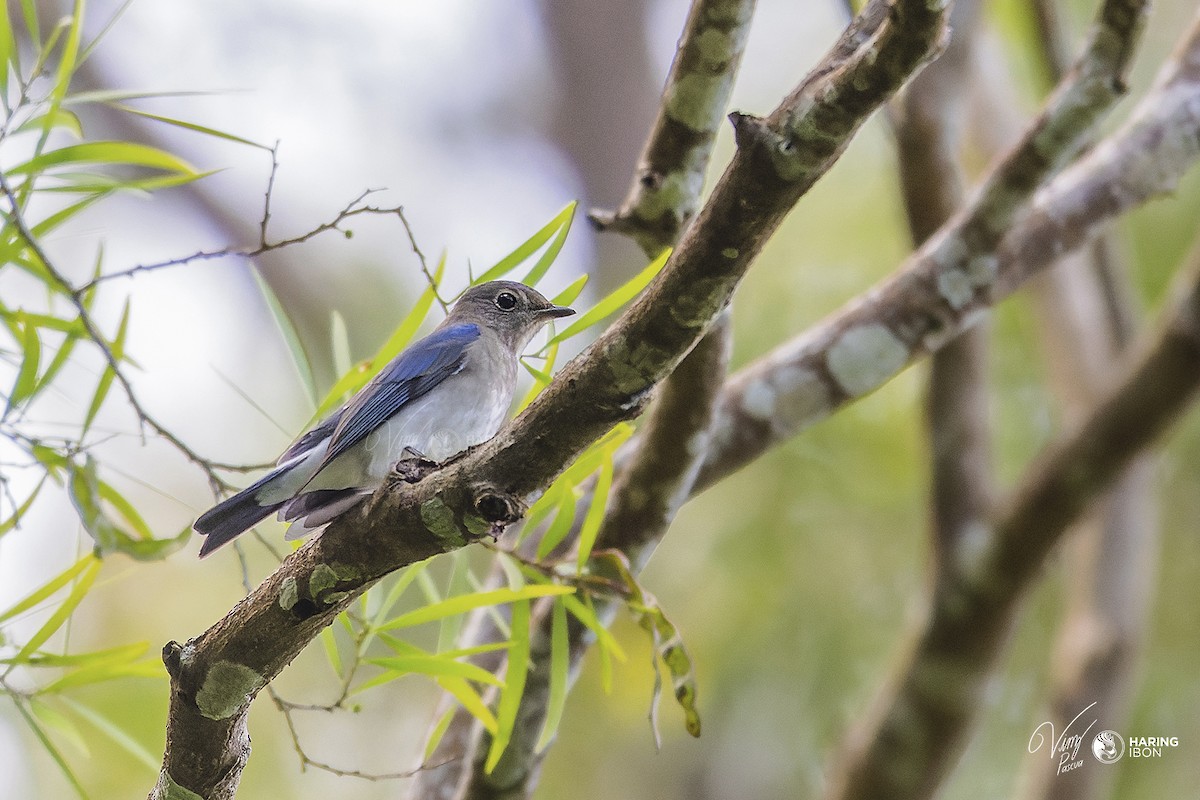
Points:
x=506 y=301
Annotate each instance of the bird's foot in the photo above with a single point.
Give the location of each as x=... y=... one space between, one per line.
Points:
x=415 y=467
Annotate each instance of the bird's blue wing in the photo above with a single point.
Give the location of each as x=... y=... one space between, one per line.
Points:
x=313 y=436
x=410 y=375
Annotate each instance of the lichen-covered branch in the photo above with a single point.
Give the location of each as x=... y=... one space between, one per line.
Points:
x=666 y=186
x=215 y=676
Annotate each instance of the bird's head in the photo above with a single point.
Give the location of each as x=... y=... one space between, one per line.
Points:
x=513 y=310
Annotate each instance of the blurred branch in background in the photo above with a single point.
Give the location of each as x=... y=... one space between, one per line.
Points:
x=1088 y=320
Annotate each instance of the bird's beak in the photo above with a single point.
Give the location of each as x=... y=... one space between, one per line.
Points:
x=554 y=312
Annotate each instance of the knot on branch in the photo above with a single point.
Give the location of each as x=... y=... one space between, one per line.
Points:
x=497 y=508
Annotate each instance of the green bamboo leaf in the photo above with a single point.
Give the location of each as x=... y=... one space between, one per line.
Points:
x=100 y=673
x=569 y=294
x=20 y=511
x=468 y=602
x=191 y=126
x=105 y=152
x=586 y=615
x=100 y=186
x=115 y=733
x=9 y=55
x=412 y=320
x=595 y=515
x=60 y=723
x=556 y=244
x=58 y=118
x=291 y=338
x=121 y=653
x=435 y=665
x=339 y=342
x=126 y=509
x=51 y=749
x=52 y=222
x=29 y=9
x=354 y=379
x=560 y=667
x=470 y=700
x=558 y=530
x=62 y=613
x=439 y=731
x=109 y=374
x=47 y=589
x=611 y=304
x=67 y=60
x=111 y=96
x=332 y=655
x=529 y=246
x=31 y=355
x=509 y=702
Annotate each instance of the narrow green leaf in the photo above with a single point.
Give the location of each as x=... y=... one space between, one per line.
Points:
x=439 y=731
x=587 y=616
x=569 y=294
x=99 y=673
x=121 y=653
x=556 y=244
x=123 y=507
x=558 y=530
x=60 y=723
x=67 y=60
x=9 y=55
x=115 y=733
x=191 y=126
x=611 y=304
x=339 y=342
x=29 y=9
x=20 y=511
x=52 y=222
x=109 y=374
x=48 y=588
x=560 y=667
x=62 y=613
x=436 y=665
x=470 y=700
x=58 y=118
x=107 y=152
x=465 y=603
x=595 y=515
x=509 y=702
x=411 y=323
x=27 y=374
x=529 y=246
x=291 y=338
x=51 y=749
x=332 y=655
x=354 y=379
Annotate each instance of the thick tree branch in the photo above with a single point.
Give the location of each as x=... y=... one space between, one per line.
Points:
x=215 y=676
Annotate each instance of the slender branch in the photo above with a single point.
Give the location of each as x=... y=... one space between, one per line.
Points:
x=215 y=676
x=666 y=187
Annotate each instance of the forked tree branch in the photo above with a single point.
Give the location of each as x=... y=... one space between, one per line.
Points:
x=215 y=676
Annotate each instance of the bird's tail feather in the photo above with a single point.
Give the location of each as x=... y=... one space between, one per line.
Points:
x=226 y=521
